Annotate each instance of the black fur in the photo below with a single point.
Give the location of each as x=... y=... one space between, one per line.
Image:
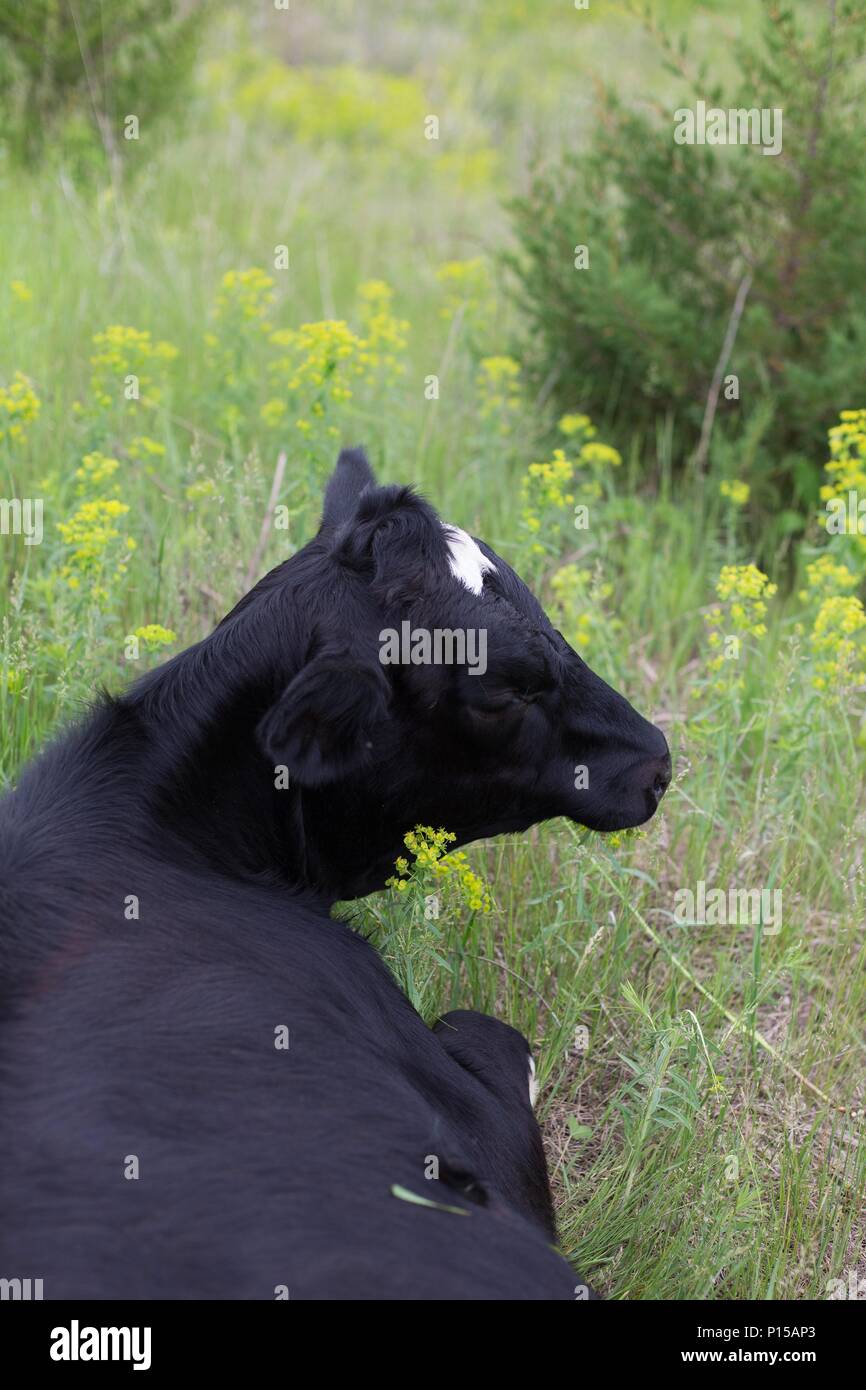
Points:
x=155 y=1037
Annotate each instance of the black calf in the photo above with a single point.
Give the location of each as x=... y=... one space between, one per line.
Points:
x=209 y=1088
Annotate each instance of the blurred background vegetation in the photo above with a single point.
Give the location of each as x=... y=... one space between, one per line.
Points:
x=236 y=208
x=555 y=128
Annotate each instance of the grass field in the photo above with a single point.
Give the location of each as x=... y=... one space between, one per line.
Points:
x=702 y=1096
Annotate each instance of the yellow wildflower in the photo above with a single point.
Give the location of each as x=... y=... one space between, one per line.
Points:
x=201 y=488
x=154 y=636
x=429 y=846
x=600 y=455
x=19 y=407
x=827 y=576
x=95 y=469
x=577 y=424
x=385 y=338
x=246 y=294
x=576 y=607
x=143 y=447
x=736 y=492
x=499 y=389
x=837 y=643
x=846 y=473
x=91 y=534
x=467 y=287
x=121 y=354
x=744 y=590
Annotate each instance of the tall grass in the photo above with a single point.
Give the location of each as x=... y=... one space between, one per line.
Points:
x=703 y=1131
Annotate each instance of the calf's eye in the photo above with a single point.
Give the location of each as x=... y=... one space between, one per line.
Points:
x=494 y=711
x=501 y=706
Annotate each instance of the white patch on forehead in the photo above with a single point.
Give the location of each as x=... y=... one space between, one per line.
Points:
x=467 y=560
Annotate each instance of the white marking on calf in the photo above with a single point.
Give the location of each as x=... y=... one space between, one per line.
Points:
x=533 y=1083
x=467 y=560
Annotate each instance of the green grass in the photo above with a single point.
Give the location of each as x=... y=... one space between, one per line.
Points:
x=690 y=1157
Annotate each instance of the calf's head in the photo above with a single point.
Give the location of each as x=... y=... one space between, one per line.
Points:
x=400 y=673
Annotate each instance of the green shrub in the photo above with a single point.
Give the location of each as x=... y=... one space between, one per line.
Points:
x=675 y=230
x=72 y=71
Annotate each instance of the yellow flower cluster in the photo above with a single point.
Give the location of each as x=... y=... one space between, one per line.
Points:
x=246 y=294
x=547 y=481
x=614 y=839
x=499 y=390
x=744 y=590
x=846 y=469
x=736 y=492
x=95 y=542
x=599 y=456
x=385 y=335
x=13 y=679
x=577 y=604
x=319 y=352
x=837 y=643
x=20 y=291
x=569 y=586
x=143 y=447
x=122 y=352
x=469 y=169
x=825 y=576
x=98 y=548
x=154 y=636
x=241 y=316
x=590 y=455
x=428 y=846
x=201 y=488
x=273 y=412
x=472 y=888
x=323 y=360
x=314 y=366
x=498 y=385
x=95 y=469
x=573 y=424
x=547 y=488
x=19 y=407
x=467 y=287
x=347 y=104
x=319 y=362
x=544 y=488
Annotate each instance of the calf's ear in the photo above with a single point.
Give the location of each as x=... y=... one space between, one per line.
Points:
x=323 y=725
x=351 y=477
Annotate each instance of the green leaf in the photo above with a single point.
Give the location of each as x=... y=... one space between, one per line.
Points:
x=406 y=1196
